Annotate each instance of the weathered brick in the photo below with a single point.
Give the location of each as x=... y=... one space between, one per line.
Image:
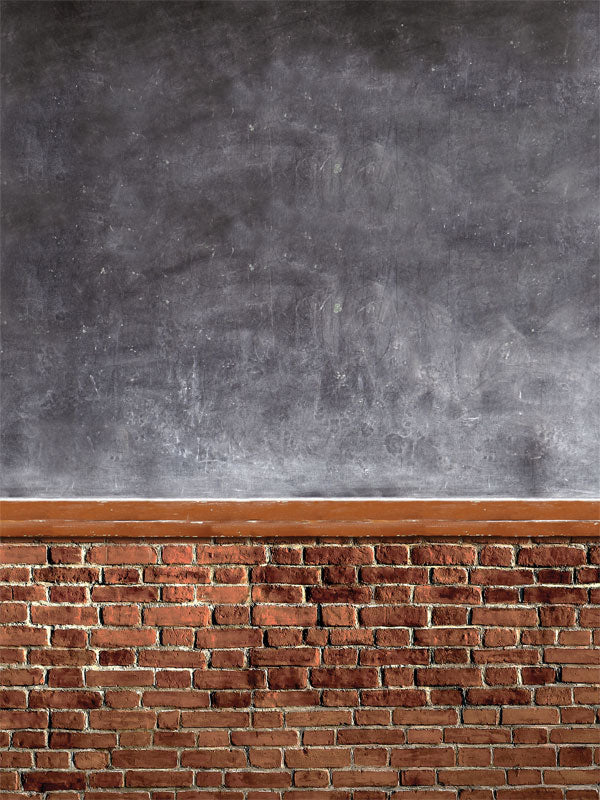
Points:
x=284 y=615
x=443 y=554
x=230 y=554
x=179 y=617
x=122 y=554
x=362 y=671
x=23 y=554
x=393 y=616
x=505 y=617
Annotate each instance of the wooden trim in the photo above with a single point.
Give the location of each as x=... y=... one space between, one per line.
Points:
x=87 y=520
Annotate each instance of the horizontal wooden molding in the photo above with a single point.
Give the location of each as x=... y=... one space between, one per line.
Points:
x=87 y=520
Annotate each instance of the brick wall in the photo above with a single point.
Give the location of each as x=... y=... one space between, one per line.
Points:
x=300 y=671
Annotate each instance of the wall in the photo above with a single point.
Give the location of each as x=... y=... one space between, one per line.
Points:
x=364 y=670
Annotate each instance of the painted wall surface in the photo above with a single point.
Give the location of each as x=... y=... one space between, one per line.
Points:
x=292 y=249
x=300 y=671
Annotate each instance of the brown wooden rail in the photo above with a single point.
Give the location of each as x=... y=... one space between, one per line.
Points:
x=171 y=519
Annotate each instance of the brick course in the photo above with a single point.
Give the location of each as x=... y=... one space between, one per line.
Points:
x=300 y=671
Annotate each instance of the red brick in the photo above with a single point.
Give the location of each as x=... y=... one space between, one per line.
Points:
x=466 y=777
x=284 y=615
x=588 y=575
x=557 y=617
x=338 y=555
x=61 y=615
x=575 y=638
x=429 y=716
x=230 y=575
x=285 y=698
x=122 y=554
x=575 y=757
x=505 y=617
x=339 y=574
x=449 y=575
x=121 y=677
x=352 y=697
x=449 y=615
x=339 y=677
x=156 y=778
x=564 y=655
x=551 y=556
x=339 y=616
x=554 y=595
x=64 y=699
x=423 y=757
x=121 y=720
x=298 y=575
x=121 y=615
x=51 y=781
x=127 y=575
x=392 y=594
x=65 y=554
x=177 y=554
x=265 y=593
x=393 y=575
x=13 y=612
x=215 y=759
x=22 y=554
x=229 y=679
x=68 y=594
x=512 y=655
x=365 y=778
x=502 y=577
x=497 y=637
x=562 y=576
x=524 y=757
x=66 y=677
x=495 y=556
x=175 y=698
x=230 y=554
x=398 y=616
x=125 y=594
x=232 y=637
x=314 y=757
x=537 y=675
x=67 y=574
x=191 y=574
x=498 y=697
x=179 y=617
x=347 y=636
x=530 y=793
x=405 y=655
x=222 y=594
x=470 y=595
x=466 y=676
x=563 y=777
x=21 y=677
x=114 y=637
x=443 y=554
x=433 y=637
x=338 y=594
x=391 y=554
x=22 y=635
x=580 y=675
x=257 y=779
x=285 y=656
x=589 y=617
x=393 y=697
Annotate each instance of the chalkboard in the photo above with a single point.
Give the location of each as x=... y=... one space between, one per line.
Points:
x=289 y=249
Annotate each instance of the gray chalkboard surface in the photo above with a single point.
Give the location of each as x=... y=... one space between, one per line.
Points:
x=300 y=249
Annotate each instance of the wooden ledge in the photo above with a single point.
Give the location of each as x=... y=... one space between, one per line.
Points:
x=87 y=520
